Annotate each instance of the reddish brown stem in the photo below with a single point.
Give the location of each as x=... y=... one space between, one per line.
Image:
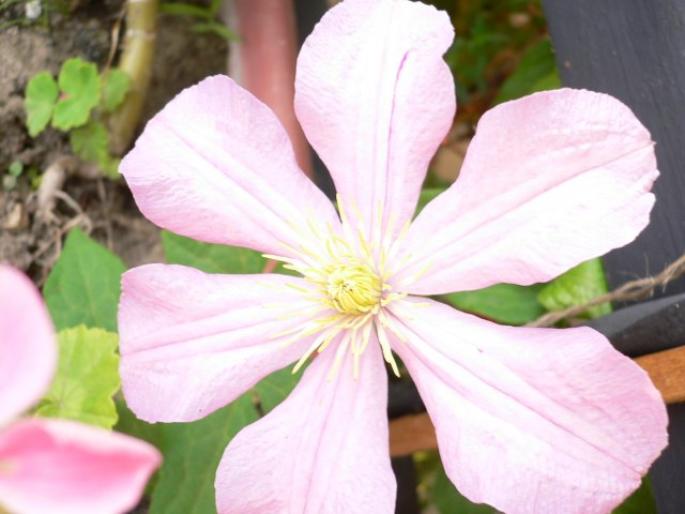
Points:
x=263 y=61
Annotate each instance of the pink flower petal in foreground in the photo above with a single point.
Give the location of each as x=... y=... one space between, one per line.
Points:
x=550 y=180
x=375 y=99
x=54 y=466
x=213 y=142
x=61 y=467
x=324 y=450
x=193 y=342
x=531 y=421
x=28 y=352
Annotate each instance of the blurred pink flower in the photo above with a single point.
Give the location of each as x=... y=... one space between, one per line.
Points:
x=49 y=465
x=528 y=420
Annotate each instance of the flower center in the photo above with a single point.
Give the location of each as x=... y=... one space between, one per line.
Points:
x=353 y=287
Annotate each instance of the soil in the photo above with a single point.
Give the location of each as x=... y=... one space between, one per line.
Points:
x=29 y=239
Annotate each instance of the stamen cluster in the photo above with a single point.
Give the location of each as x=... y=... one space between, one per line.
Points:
x=350 y=284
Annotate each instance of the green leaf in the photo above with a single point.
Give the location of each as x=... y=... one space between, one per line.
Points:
x=214 y=6
x=80 y=83
x=210 y=258
x=576 y=287
x=448 y=500
x=273 y=389
x=91 y=143
x=184 y=9
x=216 y=28
x=115 y=85
x=191 y=455
x=40 y=97
x=536 y=72
x=15 y=169
x=84 y=285
x=185 y=482
x=505 y=303
x=426 y=196
x=640 y=502
x=87 y=378
x=549 y=81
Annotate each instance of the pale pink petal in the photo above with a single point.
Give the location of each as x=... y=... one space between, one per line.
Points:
x=192 y=342
x=531 y=420
x=61 y=467
x=28 y=350
x=216 y=165
x=549 y=181
x=324 y=450
x=375 y=99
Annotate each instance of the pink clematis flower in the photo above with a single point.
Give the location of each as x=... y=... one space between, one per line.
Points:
x=54 y=466
x=528 y=420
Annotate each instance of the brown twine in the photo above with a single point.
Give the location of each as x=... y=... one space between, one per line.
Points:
x=634 y=290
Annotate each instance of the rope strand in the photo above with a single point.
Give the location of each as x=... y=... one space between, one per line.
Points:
x=634 y=290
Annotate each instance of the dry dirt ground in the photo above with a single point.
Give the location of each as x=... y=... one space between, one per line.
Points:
x=100 y=206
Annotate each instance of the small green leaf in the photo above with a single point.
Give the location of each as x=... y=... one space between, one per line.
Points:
x=84 y=285
x=426 y=196
x=505 y=303
x=576 y=287
x=536 y=72
x=185 y=9
x=80 y=84
x=87 y=378
x=185 y=482
x=15 y=168
x=115 y=85
x=41 y=95
x=448 y=500
x=214 y=6
x=110 y=167
x=216 y=28
x=210 y=258
x=640 y=502
x=91 y=143
x=549 y=81
x=273 y=389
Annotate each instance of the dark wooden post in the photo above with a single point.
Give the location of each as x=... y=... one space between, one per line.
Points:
x=635 y=51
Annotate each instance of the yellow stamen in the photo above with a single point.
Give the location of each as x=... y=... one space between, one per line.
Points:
x=348 y=271
x=353 y=288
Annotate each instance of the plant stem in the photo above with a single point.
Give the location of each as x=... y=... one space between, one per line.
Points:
x=136 y=61
x=263 y=61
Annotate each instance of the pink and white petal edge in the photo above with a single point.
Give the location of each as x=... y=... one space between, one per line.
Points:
x=216 y=165
x=324 y=450
x=375 y=99
x=531 y=420
x=61 y=467
x=28 y=350
x=549 y=181
x=192 y=342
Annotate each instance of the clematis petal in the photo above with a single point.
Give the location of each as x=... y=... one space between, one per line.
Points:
x=375 y=99
x=192 y=342
x=216 y=165
x=63 y=467
x=324 y=450
x=28 y=351
x=531 y=420
x=549 y=181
